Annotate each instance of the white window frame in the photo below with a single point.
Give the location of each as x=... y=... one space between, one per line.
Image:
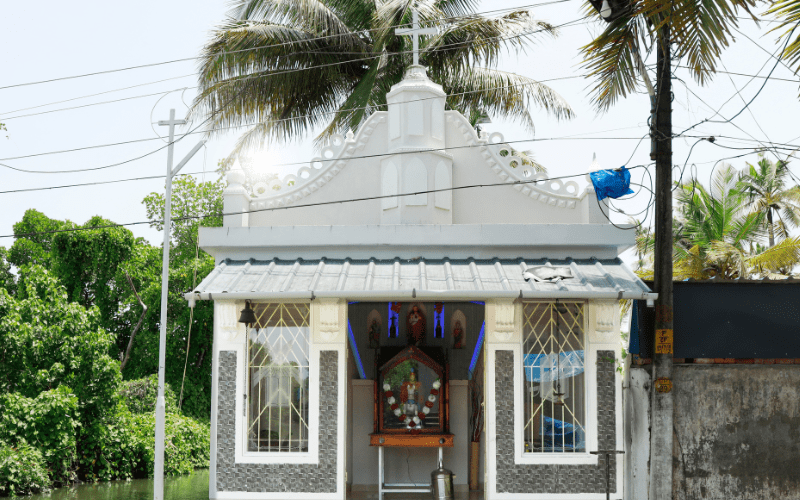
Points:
x=242 y=455
x=590 y=397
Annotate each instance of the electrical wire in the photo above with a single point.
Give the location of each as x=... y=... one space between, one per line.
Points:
x=376 y=155
x=306 y=205
x=769 y=75
x=149 y=65
x=269 y=72
x=96 y=94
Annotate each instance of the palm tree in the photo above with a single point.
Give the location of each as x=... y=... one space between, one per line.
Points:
x=767 y=193
x=717 y=235
x=698 y=32
x=287 y=66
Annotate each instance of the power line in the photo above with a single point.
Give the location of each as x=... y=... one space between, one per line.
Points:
x=442 y=48
x=116 y=181
x=307 y=205
x=149 y=65
x=269 y=121
x=783 y=51
x=97 y=94
x=571 y=138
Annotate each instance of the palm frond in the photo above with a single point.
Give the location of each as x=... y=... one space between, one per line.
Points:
x=503 y=94
x=609 y=60
x=785 y=254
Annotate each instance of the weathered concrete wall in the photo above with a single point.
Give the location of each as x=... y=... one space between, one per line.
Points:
x=636 y=394
x=737 y=432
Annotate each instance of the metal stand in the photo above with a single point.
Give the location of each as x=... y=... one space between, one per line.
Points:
x=607 y=453
x=400 y=487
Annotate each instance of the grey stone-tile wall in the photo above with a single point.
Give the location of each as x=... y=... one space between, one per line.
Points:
x=289 y=478
x=543 y=478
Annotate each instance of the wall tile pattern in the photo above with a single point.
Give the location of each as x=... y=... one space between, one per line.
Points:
x=289 y=478
x=554 y=479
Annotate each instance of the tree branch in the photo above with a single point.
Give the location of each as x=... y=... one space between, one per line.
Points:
x=136 y=329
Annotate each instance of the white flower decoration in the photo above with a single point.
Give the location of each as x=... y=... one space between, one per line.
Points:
x=397 y=412
x=391 y=401
x=437 y=384
x=387 y=387
x=426 y=410
x=431 y=398
x=416 y=420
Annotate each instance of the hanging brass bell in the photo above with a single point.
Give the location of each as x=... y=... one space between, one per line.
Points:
x=248 y=316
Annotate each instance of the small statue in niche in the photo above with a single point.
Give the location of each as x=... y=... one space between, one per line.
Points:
x=415 y=323
x=409 y=395
x=458 y=336
x=375 y=334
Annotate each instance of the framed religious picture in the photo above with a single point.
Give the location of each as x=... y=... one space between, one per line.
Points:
x=416 y=325
x=374 y=328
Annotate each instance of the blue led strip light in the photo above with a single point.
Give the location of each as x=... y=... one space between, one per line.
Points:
x=356 y=355
x=478 y=346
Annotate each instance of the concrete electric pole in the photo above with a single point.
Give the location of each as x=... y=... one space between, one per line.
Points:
x=158 y=474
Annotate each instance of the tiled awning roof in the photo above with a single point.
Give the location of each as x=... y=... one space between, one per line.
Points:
x=421 y=278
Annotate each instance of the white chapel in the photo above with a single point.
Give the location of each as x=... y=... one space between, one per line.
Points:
x=401 y=317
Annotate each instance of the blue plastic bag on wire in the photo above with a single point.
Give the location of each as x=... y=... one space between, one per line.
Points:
x=611 y=183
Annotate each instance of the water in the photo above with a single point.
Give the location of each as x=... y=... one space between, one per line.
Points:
x=189 y=487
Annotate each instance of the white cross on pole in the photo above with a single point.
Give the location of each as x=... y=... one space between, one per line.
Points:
x=158 y=475
x=415 y=31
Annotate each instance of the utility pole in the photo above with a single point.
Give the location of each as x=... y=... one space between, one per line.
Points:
x=661 y=417
x=158 y=474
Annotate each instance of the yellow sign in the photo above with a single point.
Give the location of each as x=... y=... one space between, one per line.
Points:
x=664 y=342
x=663 y=385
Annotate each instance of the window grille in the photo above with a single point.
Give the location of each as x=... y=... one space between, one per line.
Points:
x=554 y=378
x=278 y=374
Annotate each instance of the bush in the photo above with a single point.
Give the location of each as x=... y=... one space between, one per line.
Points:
x=22 y=471
x=123 y=447
x=48 y=423
x=140 y=395
x=186 y=446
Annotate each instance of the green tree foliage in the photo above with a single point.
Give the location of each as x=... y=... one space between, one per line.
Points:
x=34 y=238
x=249 y=70
x=86 y=264
x=194 y=205
x=140 y=395
x=766 y=187
x=22 y=471
x=47 y=341
x=716 y=234
x=7 y=279
x=47 y=422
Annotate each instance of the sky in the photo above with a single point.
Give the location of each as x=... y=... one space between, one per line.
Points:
x=47 y=40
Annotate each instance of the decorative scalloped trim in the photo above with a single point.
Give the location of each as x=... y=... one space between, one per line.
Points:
x=328 y=168
x=501 y=166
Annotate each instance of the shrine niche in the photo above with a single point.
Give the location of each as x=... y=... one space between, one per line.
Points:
x=411 y=402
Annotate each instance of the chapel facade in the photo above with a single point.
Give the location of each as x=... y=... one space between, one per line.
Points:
x=391 y=332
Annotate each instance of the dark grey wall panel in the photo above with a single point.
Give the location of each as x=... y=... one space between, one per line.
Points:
x=289 y=478
x=537 y=478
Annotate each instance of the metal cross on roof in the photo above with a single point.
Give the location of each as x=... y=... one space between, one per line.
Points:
x=415 y=31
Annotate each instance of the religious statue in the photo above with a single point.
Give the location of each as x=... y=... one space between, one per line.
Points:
x=458 y=336
x=409 y=394
x=415 y=323
x=375 y=334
